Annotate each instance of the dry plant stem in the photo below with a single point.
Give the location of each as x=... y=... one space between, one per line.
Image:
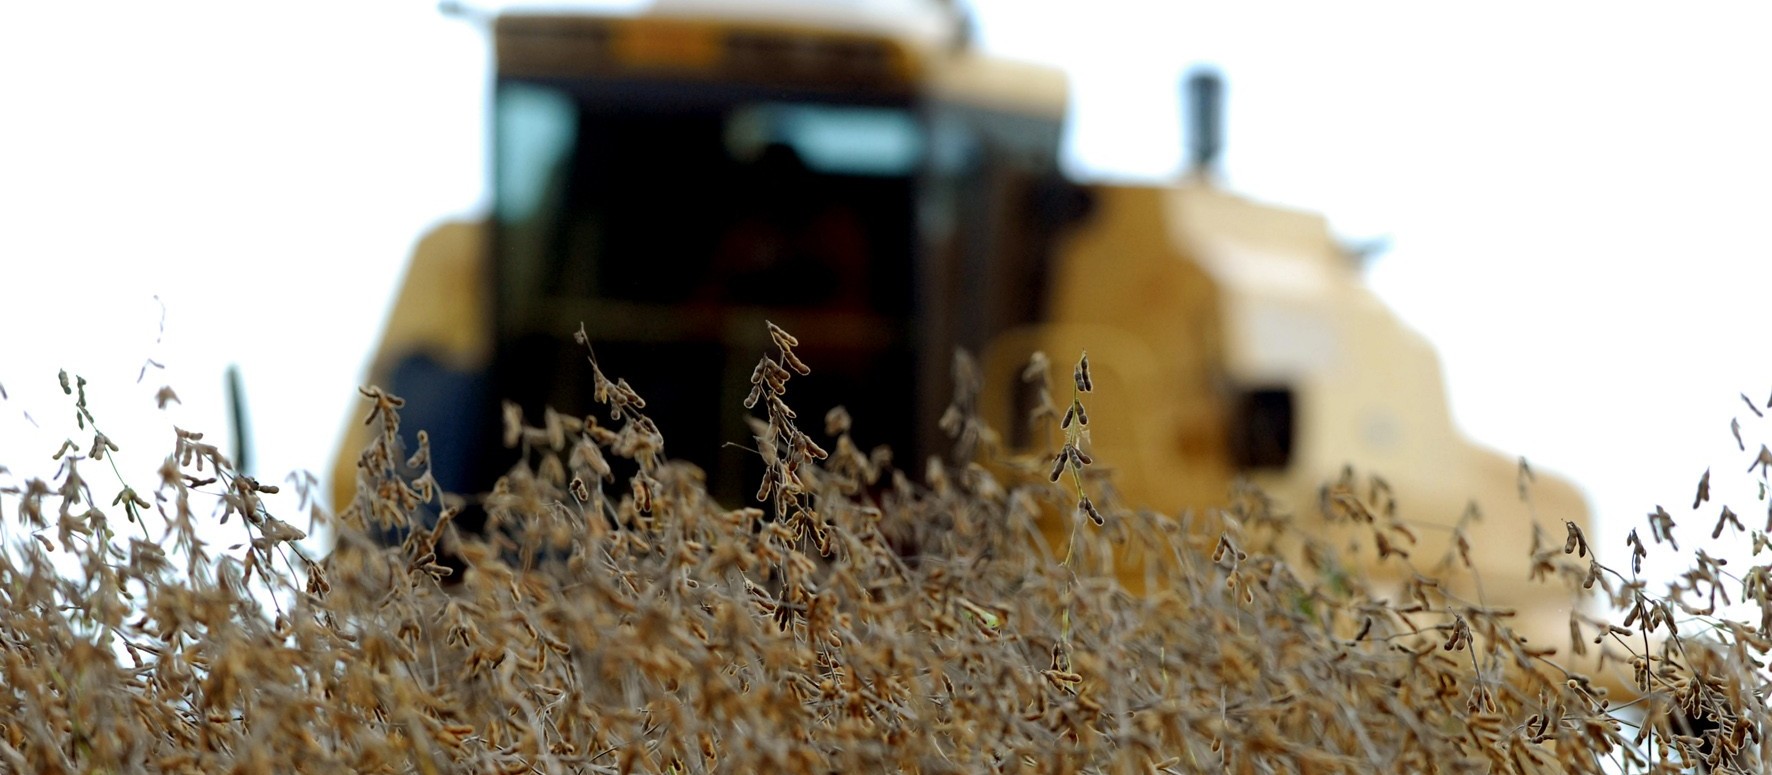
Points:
x=1071 y=458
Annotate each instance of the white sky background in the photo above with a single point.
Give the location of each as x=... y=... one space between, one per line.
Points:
x=1576 y=196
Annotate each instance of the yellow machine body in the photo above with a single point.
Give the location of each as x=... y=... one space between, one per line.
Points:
x=1190 y=299
x=1228 y=338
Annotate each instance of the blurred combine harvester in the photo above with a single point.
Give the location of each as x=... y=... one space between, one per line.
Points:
x=886 y=193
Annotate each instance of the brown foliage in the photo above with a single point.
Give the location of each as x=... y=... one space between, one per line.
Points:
x=639 y=626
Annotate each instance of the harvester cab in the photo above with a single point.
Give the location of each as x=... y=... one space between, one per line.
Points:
x=673 y=180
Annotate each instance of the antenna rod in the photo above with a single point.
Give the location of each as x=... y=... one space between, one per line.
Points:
x=237 y=412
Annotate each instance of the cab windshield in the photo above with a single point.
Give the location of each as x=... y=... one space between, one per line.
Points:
x=673 y=227
x=745 y=203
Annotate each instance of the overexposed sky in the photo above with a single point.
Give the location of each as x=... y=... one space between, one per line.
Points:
x=1575 y=196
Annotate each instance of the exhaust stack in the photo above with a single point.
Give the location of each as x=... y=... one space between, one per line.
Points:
x=1205 y=120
